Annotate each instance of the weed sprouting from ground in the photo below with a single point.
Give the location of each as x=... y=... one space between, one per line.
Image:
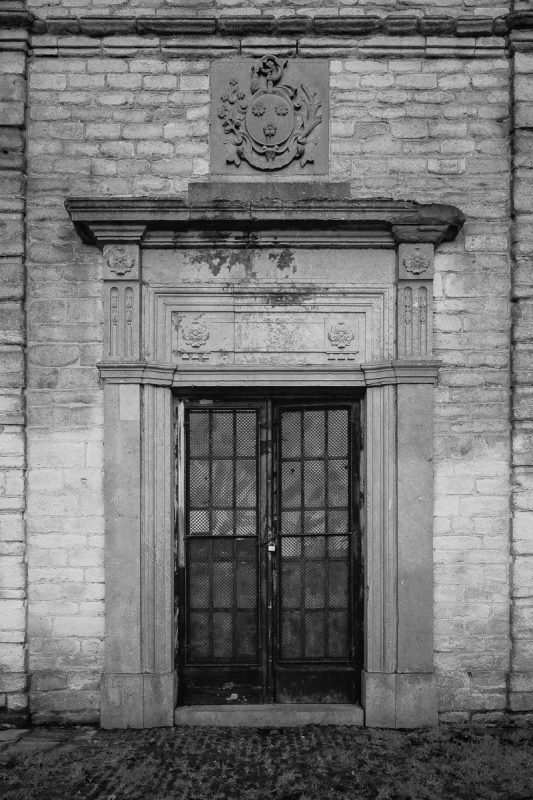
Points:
x=311 y=763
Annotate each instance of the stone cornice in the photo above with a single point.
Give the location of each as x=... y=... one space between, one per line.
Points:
x=14 y=16
x=338 y=222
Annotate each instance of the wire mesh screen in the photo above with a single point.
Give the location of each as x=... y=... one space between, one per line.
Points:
x=221 y=552
x=315 y=534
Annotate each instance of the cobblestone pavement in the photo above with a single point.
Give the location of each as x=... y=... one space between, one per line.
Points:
x=310 y=763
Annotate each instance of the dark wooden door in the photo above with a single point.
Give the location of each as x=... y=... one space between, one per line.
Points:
x=269 y=584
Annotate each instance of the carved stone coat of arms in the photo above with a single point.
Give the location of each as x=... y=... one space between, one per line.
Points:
x=269 y=120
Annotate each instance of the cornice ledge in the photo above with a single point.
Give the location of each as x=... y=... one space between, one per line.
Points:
x=519 y=20
x=360 y=26
x=105 y=219
x=14 y=15
x=390 y=373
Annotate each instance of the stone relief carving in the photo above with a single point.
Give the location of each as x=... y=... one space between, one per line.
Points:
x=416 y=263
x=340 y=335
x=113 y=334
x=270 y=124
x=196 y=333
x=119 y=260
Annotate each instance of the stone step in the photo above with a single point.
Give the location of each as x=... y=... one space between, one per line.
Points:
x=280 y=715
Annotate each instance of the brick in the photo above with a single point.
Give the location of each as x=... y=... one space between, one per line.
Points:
x=79 y=626
x=194 y=82
x=107 y=65
x=12 y=657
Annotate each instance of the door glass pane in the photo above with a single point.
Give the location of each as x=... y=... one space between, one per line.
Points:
x=221 y=505
x=291 y=434
x=222 y=483
x=291 y=484
x=314 y=433
x=223 y=439
x=314 y=484
x=199 y=434
x=245 y=483
x=315 y=494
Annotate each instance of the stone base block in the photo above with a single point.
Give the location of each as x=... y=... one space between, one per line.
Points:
x=138 y=701
x=399 y=700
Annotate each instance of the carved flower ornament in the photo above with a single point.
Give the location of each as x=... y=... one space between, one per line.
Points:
x=196 y=333
x=272 y=125
x=416 y=263
x=340 y=335
x=120 y=261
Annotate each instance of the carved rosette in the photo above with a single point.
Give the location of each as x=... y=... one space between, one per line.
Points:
x=340 y=335
x=416 y=263
x=270 y=123
x=196 y=333
x=120 y=261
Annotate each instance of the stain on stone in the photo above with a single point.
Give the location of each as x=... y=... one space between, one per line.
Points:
x=284 y=259
x=218 y=258
x=294 y=298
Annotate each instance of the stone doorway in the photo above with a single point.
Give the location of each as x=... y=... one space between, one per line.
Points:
x=304 y=287
x=269 y=578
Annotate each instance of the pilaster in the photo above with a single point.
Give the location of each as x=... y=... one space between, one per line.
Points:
x=14 y=39
x=520 y=684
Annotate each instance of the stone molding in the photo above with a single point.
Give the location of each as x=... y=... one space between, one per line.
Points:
x=391 y=373
x=268 y=25
x=169 y=221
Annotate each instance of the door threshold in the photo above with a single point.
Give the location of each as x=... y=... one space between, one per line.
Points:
x=278 y=715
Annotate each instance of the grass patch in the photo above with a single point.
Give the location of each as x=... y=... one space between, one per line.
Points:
x=311 y=763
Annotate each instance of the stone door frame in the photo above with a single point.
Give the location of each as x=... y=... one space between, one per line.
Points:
x=139 y=682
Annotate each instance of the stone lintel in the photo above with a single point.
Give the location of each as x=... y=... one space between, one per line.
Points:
x=104 y=220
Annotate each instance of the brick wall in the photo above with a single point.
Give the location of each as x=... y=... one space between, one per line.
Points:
x=13 y=698
x=430 y=120
x=437 y=130
x=97 y=126
x=428 y=129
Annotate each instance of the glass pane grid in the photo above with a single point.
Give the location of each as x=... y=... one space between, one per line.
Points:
x=315 y=598
x=221 y=552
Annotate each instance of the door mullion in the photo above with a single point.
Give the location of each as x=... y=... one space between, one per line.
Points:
x=263 y=535
x=270 y=557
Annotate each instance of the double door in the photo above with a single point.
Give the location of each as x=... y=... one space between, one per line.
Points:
x=268 y=580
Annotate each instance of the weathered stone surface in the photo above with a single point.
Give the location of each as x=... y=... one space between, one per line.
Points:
x=131 y=123
x=255 y=127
